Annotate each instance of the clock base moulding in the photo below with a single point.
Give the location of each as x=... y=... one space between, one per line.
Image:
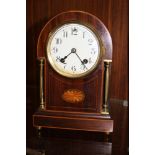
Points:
x=73 y=121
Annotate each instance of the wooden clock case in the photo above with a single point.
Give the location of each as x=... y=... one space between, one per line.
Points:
x=92 y=113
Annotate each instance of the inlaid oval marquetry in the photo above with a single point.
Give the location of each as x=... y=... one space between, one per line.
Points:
x=73 y=96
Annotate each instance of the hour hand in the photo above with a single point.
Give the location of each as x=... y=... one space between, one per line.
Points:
x=62 y=60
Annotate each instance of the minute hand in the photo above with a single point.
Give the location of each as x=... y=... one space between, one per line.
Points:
x=81 y=60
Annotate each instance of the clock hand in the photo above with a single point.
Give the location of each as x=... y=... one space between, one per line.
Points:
x=63 y=59
x=83 y=63
x=73 y=50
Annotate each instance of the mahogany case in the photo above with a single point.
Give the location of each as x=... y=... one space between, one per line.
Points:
x=84 y=115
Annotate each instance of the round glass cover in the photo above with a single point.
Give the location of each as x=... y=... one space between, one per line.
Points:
x=73 y=50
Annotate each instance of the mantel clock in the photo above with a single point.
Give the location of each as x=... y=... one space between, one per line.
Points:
x=75 y=53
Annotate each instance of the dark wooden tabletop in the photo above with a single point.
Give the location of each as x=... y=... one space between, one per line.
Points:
x=67 y=142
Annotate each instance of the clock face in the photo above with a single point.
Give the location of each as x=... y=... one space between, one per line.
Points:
x=73 y=50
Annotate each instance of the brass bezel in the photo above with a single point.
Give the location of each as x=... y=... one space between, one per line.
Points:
x=101 y=50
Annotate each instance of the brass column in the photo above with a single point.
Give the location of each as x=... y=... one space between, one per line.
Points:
x=42 y=106
x=105 y=109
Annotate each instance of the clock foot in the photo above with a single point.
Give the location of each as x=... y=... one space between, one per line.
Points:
x=38 y=129
x=40 y=142
x=107 y=137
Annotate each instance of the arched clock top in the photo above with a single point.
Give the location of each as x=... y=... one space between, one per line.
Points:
x=78 y=17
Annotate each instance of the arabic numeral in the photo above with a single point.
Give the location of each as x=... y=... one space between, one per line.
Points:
x=55 y=50
x=58 y=40
x=90 y=41
x=74 y=31
x=90 y=60
x=83 y=35
x=73 y=68
x=83 y=67
x=57 y=58
x=93 y=51
x=65 y=34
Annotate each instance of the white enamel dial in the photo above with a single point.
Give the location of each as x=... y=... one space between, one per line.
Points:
x=73 y=50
